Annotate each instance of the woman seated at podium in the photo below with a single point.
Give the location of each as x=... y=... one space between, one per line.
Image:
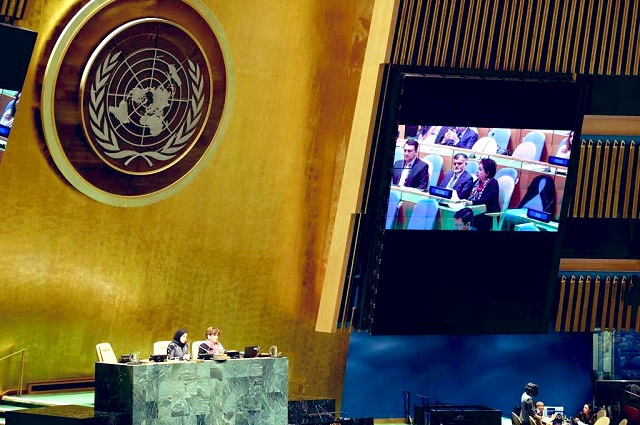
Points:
x=179 y=348
x=211 y=345
x=485 y=192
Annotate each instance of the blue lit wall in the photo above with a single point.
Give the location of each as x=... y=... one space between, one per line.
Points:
x=489 y=370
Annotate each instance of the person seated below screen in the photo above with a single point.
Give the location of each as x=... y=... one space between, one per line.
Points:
x=411 y=171
x=485 y=192
x=462 y=219
x=179 y=348
x=211 y=345
x=540 y=408
x=460 y=137
x=458 y=178
x=585 y=417
x=565 y=150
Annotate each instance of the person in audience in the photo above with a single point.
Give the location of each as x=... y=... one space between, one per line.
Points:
x=540 y=408
x=462 y=219
x=411 y=171
x=458 y=178
x=179 y=348
x=528 y=409
x=586 y=416
x=211 y=345
x=461 y=137
x=565 y=150
x=485 y=192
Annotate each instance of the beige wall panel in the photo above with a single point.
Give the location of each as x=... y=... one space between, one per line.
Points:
x=241 y=248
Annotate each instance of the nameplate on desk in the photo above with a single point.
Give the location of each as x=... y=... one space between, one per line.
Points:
x=440 y=192
x=539 y=215
x=555 y=160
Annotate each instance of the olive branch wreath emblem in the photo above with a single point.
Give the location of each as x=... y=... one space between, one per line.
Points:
x=108 y=139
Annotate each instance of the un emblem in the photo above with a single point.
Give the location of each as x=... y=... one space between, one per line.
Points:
x=153 y=97
x=143 y=107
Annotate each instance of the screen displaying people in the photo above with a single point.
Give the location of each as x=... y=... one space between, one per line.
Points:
x=511 y=179
x=9 y=101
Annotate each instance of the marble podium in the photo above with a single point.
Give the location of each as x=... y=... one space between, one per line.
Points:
x=234 y=392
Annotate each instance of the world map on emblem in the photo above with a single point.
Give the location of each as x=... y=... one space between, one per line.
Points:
x=144 y=105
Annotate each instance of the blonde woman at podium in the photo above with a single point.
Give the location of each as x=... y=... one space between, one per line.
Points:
x=211 y=345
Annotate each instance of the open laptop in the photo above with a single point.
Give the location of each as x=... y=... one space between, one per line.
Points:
x=551 y=410
x=251 y=351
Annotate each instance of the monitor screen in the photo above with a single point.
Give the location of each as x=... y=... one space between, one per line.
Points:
x=9 y=101
x=13 y=71
x=454 y=177
x=468 y=186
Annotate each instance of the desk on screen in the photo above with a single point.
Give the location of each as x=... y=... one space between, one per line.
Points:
x=512 y=217
x=444 y=220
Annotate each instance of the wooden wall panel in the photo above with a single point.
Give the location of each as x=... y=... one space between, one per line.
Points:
x=588 y=37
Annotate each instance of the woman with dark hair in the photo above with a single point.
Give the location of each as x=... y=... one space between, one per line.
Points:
x=179 y=348
x=565 y=149
x=586 y=416
x=485 y=192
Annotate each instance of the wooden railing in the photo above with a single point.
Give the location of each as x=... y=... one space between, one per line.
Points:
x=21 y=378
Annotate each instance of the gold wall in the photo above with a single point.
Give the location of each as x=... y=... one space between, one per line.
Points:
x=242 y=247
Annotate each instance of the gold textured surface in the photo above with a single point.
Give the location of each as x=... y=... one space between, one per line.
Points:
x=241 y=248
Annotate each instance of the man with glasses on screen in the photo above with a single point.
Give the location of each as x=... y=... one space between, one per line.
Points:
x=458 y=178
x=411 y=171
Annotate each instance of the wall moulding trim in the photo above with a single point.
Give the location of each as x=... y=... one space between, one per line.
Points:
x=604 y=265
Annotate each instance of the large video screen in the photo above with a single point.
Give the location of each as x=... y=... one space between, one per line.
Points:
x=17 y=51
x=470 y=179
x=9 y=101
x=455 y=177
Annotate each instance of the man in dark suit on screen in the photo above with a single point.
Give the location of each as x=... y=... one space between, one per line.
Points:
x=460 y=137
x=411 y=171
x=458 y=178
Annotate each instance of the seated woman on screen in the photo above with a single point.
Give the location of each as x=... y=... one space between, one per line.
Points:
x=179 y=348
x=211 y=345
x=10 y=112
x=485 y=192
x=565 y=150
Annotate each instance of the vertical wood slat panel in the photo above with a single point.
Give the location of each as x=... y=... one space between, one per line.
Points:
x=632 y=38
x=613 y=186
x=614 y=30
x=441 y=61
x=525 y=39
x=569 y=38
x=423 y=34
x=607 y=306
x=605 y=35
x=547 y=35
x=467 y=55
x=623 y=34
x=560 y=34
